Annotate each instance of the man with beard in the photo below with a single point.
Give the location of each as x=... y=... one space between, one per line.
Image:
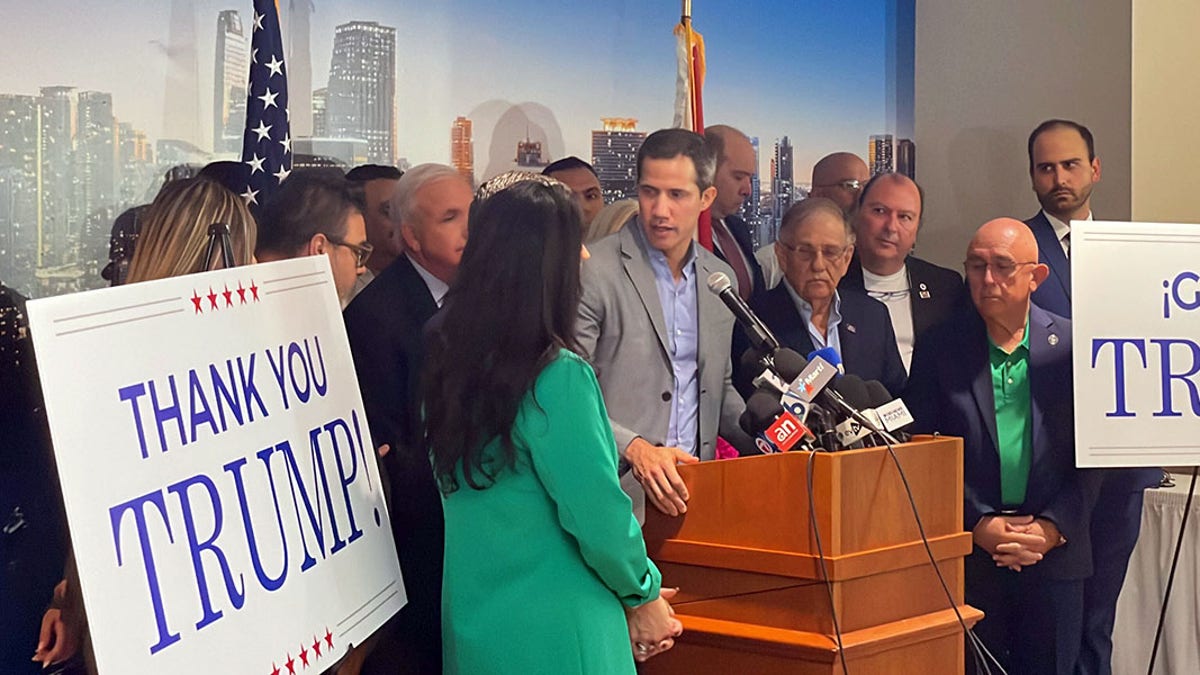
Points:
x=1063 y=181
x=1063 y=167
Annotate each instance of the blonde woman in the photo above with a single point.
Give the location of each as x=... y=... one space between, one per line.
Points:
x=610 y=219
x=174 y=234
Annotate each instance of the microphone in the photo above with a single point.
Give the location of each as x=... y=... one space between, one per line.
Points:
x=774 y=428
x=760 y=336
x=893 y=413
x=812 y=384
x=831 y=355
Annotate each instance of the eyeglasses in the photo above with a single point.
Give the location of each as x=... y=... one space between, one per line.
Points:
x=808 y=254
x=361 y=251
x=850 y=185
x=1001 y=269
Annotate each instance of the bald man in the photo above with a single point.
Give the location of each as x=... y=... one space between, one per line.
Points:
x=999 y=376
x=837 y=177
x=731 y=236
x=919 y=295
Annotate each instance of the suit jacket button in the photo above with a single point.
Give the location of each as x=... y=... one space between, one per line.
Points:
x=666 y=396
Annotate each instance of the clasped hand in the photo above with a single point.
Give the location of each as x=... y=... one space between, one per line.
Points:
x=653 y=626
x=1016 y=541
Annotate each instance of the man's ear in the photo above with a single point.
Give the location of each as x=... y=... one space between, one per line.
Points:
x=1041 y=272
x=707 y=197
x=318 y=245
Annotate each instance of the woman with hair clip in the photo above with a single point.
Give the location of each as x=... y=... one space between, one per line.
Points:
x=545 y=567
x=174 y=237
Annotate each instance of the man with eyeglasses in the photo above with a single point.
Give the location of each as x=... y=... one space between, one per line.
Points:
x=1064 y=168
x=918 y=294
x=316 y=213
x=998 y=375
x=807 y=312
x=837 y=177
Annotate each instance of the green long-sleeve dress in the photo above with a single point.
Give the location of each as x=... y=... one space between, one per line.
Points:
x=538 y=566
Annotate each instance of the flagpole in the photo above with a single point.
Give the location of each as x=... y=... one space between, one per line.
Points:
x=687 y=12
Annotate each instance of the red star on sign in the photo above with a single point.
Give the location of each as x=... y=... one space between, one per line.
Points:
x=274 y=669
x=228 y=296
x=254 y=290
x=316 y=645
x=328 y=637
x=212 y=297
x=291 y=664
x=304 y=655
x=241 y=293
x=196 y=300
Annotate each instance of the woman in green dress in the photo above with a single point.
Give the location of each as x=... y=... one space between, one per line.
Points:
x=545 y=567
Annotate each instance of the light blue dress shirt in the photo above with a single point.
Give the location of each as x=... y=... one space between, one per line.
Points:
x=682 y=319
x=832 y=338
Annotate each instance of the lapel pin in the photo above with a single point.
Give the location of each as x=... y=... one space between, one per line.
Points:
x=850 y=327
x=1052 y=339
x=924 y=294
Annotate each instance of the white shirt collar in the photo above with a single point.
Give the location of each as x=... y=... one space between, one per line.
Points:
x=1061 y=229
x=437 y=287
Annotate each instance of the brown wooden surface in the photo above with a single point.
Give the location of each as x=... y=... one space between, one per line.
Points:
x=752 y=595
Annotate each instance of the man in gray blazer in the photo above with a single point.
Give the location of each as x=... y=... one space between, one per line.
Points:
x=658 y=339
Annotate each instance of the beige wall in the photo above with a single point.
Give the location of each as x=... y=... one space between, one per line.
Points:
x=1166 y=100
x=986 y=73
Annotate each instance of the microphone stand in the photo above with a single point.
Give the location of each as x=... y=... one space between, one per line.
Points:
x=218 y=234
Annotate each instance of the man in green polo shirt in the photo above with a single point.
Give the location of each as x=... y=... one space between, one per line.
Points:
x=999 y=376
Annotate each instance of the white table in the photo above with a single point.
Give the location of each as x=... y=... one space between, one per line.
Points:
x=1146 y=580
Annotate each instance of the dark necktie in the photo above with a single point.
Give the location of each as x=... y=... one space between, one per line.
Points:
x=733 y=255
x=1067 y=243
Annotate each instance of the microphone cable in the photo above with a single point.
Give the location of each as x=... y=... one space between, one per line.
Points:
x=816 y=530
x=979 y=651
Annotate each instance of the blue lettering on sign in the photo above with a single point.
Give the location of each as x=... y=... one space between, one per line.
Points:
x=1178 y=364
x=1173 y=290
x=203 y=499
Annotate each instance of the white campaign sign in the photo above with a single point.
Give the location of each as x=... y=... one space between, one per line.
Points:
x=225 y=506
x=1135 y=292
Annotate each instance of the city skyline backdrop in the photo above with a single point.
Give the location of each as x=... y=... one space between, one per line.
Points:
x=88 y=128
x=775 y=67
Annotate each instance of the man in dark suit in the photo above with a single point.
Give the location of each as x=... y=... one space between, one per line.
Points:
x=999 y=376
x=807 y=312
x=1063 y=168
x=918 y=294
x=384 y=324
x=731 y=236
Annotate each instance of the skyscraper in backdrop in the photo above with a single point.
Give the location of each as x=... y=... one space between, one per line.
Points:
x=614 y=156
x=361 y=99
x=782 y=184
x=880 y=155
x=229 y=83
x=462 y=148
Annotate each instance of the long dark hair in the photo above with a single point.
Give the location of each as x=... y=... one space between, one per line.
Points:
x=512 y=307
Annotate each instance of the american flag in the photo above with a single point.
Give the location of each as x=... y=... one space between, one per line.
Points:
x=267 y=142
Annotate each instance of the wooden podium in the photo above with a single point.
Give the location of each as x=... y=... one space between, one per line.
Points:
x=751 y=596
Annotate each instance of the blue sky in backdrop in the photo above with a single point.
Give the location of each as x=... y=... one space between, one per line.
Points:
x=814 y=71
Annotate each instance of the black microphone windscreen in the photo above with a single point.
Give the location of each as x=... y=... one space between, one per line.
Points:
x=789 y=363
x=854 y=390
x=761 y=410
x=878 y=393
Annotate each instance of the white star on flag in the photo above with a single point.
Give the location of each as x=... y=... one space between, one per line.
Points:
x=263 y=130
x=254 y=55
x=250 y=196
x=282 y=174
x=286 y=143
x=258 y=19
x=275 y=64
x=268 y=98
x=256 y=164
